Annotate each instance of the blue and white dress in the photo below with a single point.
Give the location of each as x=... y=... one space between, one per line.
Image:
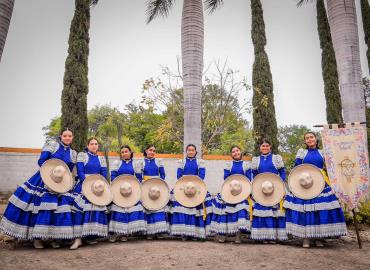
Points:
x=156 y=221
x=268 y=222
x=321 y=217
x=89 y=219
x=130 y=220
x=191 y=221
x=229 y=219
x=34 y=212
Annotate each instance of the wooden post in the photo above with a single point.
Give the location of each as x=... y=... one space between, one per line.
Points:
x=356 y=228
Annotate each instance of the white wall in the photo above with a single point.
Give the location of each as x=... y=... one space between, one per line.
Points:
x=16 y=168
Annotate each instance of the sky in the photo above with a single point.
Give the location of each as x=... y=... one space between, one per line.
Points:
x=124 y=51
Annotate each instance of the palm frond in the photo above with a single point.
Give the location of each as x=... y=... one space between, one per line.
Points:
x=157 y=8
x=212 y=5
x=302 y=2
x=94 y=2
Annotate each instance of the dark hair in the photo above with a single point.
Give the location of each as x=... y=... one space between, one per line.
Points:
x=192 y=145
x=86 y=149
x=62 y=131
x=129 y=148
x=236 y=146
x=264 y=140
x=146 y=148
x=314 y=134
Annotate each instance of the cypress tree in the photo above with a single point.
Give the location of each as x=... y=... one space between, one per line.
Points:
x=329 y=67
x=365 y=11
x=75 y=84
x=264 y=121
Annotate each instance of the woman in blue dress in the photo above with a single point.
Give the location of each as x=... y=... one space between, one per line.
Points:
x=193 y=222
x=268 y=223
x=90 y=221
x=156 y=221
x=318 y=218
x=34 y=212
x=232 y=219
x=126 y=221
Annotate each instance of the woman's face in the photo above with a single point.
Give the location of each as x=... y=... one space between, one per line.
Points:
x=67 y=137
x=125 y=154
x=191 y=152
x=265 y=148
x=93 y=146
x=310 y=140
x=150 y=152
x=236 y=153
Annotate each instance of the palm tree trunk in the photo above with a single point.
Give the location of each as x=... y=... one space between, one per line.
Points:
x=343 y=25
x=192 y=42
x=6 y=10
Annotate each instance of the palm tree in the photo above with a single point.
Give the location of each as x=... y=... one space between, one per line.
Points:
x=192 y=43
x=6 y=10
x=328 y=64
x=344 y=31
x=264 y=120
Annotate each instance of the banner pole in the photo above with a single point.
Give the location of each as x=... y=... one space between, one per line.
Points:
x=356 y=228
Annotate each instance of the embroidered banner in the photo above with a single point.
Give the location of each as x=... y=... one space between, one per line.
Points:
x=347 y=162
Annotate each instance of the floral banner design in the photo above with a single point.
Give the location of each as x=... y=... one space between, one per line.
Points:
x=347 y=162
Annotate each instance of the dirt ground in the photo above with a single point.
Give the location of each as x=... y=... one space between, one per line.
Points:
x=175 y=254
x=139 y=254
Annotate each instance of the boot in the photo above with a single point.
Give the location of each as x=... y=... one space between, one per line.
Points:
x=306 y=243
x=124 y=239
x=319 y=243
x=221 y=238
x=38 y=244
x=76 y=244
x=113 y=238
x=55 y=244
x=238 y=238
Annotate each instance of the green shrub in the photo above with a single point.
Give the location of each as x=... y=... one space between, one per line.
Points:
x=363 y=216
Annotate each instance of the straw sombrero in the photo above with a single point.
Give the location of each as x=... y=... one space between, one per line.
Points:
x=236 y=189
x=268 y=189
x=190 y=191
x=306 y=181
x=97 y=190
x=155 y=194
x=126 y=190
x=56 y=176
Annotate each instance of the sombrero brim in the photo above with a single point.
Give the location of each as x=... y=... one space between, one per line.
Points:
x=102 y=200
x=186 y=201
x=306 y=193
x=244 y=194
x=130 y=200
x=65 y=185
x=268 y=200
x=163 y=199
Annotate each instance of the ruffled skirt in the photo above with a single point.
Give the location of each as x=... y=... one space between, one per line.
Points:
x=321 y=217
